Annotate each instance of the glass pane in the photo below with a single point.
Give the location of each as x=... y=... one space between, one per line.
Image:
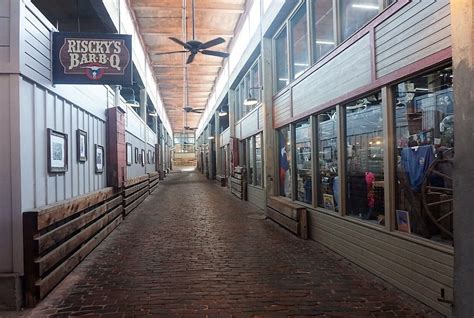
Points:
x=323 y=28
x=281 y=56
x=304 y=185
x=243 y=96
x=238 y=104
x=299 y=38
x=364 y=136
x=285 y=161
x=328 y=179
x=424 y=115
x=258 y=161
x=355 y=14
x=254 y=84
x=251 y=160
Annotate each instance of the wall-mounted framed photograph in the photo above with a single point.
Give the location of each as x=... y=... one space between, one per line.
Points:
x=81 y=139
x=137 y=159
x=403 y=221
x=129 y=154
x=148 y=157
x=153 y=156
x=57 y=151
x=99 y=159
x=143 y=157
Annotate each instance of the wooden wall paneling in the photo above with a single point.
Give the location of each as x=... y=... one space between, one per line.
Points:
x=58 y=237
x=249 y=124
x=421 y=30
x=282 y=109
x=256 y=196
x=348 y=71
x=416 y=269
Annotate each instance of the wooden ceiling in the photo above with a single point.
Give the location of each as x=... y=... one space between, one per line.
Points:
x=160 y=19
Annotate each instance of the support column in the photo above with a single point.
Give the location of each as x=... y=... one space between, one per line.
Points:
x=218 y=144
x=462 y=20
x=234 y=151
x=269 y=150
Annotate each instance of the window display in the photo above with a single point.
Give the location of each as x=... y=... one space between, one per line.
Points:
x=424 y=115
x=365 y=162
x=328 y=180
x=304 y=185
x=251 y=160
x=284 y=151
x=299 y=41
x=258 y=161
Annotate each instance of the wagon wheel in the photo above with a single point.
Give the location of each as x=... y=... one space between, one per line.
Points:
x=437 y=192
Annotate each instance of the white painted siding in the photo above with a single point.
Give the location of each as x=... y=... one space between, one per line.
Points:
x=41 y=109
x=249 y=125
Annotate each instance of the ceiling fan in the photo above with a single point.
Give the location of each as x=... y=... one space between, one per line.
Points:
x=194 y=46
x=189 y=109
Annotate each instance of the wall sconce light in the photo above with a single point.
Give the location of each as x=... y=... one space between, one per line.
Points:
x=223 y=112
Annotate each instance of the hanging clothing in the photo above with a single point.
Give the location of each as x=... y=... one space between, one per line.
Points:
x=369 y=180
x=415 y=162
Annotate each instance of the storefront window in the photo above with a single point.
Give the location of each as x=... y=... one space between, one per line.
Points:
x=281 y=59
x=304 y=185
x=355 y=14
x=299 y=39
x=328 y=179
x=364 y=137
x=284 y=137
x=323 y=28
x=424 y=115
x=251 y=160
x=258 y=161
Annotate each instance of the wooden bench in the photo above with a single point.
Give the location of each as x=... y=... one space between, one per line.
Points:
x=135 y=191
x=288 y=214
x=238 y=186
x=59 y=236
x=154 y=178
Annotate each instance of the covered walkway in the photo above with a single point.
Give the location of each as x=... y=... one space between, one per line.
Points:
x=192 y=249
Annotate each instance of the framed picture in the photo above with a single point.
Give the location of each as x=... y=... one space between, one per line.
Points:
x=99 y=159
x=57 y=151
x=143 y=157
x=81 y=137
x=328 y=202
x=129 y=153
x=148 y=157
x=137 y=159
x=152 y=157
x=403 y=221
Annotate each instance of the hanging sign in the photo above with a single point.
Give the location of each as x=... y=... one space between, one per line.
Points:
x=92 y=58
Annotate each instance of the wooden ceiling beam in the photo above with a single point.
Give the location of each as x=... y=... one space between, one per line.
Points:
x=214 y=7
x=155 y=30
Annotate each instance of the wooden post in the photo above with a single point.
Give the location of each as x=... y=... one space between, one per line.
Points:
x=269 y=149
x=462 y=20
x=116 y=158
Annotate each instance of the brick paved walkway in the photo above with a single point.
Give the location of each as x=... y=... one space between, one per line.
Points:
x=192 y=249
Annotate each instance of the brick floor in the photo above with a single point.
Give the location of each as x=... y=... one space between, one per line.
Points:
x=193 y=250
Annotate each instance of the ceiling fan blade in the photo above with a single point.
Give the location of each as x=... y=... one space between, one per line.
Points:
x=210 y=43
x=215 y=53
x=190 y=58
x=171 y=52
x=185 y=45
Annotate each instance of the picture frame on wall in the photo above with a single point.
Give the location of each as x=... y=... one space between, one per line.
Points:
x=143 y=157
x=81 y=139
x=99 y=159
x=148 y=157
x=137 y=159
x=129 y=154
x=403 y=221
x=57 y=151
